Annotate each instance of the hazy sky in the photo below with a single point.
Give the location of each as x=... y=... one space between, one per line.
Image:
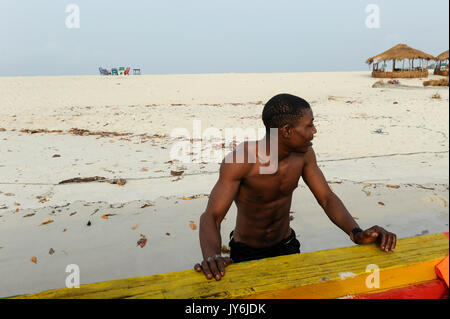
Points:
x=212 y=36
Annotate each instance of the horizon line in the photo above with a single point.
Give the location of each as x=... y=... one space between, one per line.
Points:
x=159 y=74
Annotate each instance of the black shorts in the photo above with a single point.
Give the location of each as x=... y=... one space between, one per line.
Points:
x=241 y=252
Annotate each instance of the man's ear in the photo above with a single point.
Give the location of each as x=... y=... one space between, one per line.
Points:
x=286 y=131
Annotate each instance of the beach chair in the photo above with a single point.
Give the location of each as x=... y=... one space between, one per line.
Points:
x=121 y=70
x=136 y=71
x=378 y=84
x=394 y=82
x=114 y=71
x=104 y=71
x=127 y=71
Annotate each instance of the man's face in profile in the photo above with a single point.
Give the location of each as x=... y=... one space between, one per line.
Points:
x=302 y=133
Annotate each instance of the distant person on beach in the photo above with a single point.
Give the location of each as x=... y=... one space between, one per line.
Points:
x=264 y=200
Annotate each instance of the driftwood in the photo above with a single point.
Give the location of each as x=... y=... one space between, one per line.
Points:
x=83 y=180
x=39 y=131
x=118 y=181
x=82 y=132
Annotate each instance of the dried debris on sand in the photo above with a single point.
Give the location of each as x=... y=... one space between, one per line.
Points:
x=440 y=82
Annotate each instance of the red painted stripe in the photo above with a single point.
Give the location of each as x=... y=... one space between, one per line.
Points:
x=435 y=289
x=446 y=234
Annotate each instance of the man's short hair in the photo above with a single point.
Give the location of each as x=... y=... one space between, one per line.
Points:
x=283 y=109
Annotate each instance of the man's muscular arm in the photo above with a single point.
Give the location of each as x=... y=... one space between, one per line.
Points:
x=331 y=204
x=220 y=200
x=336 y=211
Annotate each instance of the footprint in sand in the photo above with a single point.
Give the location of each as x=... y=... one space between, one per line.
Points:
x=435 y=199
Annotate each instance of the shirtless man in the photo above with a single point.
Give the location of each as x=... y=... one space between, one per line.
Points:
x=263 y=200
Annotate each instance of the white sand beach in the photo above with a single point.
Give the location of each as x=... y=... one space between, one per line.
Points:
x=384 y=151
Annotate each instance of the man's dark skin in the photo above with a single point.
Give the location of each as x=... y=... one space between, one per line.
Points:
x=263 y=200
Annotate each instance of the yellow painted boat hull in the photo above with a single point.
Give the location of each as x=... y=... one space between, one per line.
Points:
x=334 y=273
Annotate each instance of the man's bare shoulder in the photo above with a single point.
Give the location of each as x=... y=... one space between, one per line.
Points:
x=238 y=162
x=310 y=157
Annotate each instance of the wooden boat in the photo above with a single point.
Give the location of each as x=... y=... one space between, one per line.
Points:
x=350 y=272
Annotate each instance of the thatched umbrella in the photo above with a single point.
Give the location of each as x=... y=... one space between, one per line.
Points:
x=400 y=52
x=440 y=58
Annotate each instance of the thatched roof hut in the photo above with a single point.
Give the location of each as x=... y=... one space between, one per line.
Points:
x=443 y=56
x=400 y=52
x=442 y=68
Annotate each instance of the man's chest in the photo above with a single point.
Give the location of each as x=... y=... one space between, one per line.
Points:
x=269 y=187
